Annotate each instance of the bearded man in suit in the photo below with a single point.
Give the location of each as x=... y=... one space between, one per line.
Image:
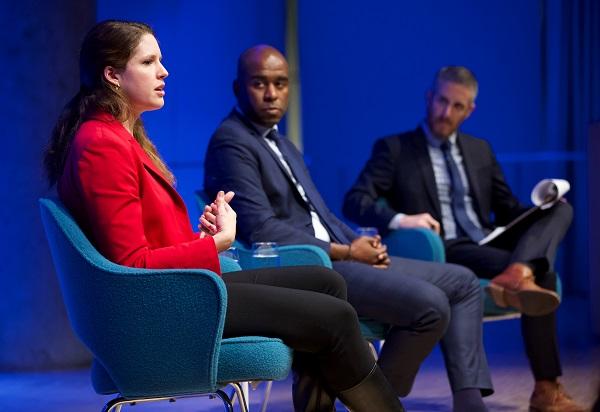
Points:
x=440 y=178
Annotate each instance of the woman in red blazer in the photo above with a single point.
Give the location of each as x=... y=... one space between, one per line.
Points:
x=112 y=179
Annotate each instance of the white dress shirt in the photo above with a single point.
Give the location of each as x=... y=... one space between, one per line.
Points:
x=443 y=185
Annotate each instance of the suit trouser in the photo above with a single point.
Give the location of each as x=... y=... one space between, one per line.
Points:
x=423 y=302
x=304 y=306
x=535 y=242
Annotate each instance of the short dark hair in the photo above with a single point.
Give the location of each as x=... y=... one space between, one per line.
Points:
x=456 y=74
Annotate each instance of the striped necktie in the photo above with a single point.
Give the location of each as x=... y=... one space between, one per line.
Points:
x=457 y=196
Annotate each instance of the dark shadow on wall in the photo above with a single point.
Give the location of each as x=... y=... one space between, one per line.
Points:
x=39 y=45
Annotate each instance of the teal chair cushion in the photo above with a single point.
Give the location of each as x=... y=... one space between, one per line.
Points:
x=418 y=243
x=263 y=359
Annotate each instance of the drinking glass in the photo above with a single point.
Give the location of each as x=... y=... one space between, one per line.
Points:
x=231 y=253
x=367 y=231
x=265 y=254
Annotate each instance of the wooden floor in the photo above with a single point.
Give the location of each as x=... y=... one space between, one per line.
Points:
x=70 y=391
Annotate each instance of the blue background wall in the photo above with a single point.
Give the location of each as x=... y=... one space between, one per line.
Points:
x=38 y=45
x=364 y=71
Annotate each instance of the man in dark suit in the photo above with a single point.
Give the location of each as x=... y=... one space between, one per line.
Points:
x=276 y=200
x=439 y=178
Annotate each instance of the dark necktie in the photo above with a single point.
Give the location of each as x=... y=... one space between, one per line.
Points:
x=304 y=181
x=457 y=196
x=273 y=135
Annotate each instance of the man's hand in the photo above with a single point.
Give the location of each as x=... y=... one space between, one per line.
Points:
x=421 y=220
x=370 y=250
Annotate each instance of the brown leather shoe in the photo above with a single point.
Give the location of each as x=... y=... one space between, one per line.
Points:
x=515 y=287
x=550 y=396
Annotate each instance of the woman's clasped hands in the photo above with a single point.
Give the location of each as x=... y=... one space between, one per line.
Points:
x=218 y=220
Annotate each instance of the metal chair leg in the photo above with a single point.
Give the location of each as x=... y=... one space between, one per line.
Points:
x=245 y=386
x=245 y=390
x=226 y=400
x=239 y=390
x=266 y=396
x=117 y=403
x=114 y=405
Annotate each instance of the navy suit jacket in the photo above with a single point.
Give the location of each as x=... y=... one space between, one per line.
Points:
x=267 y=203
x=400 y=172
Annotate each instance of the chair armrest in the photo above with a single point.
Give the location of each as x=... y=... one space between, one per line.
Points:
x=168 y=322
x=298 y=255
x=418 y=243
x=229 y=265
x=291 y=255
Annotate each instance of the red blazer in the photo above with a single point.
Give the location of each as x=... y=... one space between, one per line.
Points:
x=123 y=203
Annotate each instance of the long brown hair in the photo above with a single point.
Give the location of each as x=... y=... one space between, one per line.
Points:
x=108 y=43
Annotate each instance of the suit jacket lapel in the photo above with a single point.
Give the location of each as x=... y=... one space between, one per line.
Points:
x=422 y=159
x=469 y=162
x=296 y=164
x=252 y=130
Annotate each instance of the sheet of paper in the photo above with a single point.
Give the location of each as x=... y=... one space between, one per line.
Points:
x=492 y=235
x=544 y=195
x=549 y=191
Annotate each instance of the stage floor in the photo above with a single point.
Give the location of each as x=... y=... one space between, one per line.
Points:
x=70 y=391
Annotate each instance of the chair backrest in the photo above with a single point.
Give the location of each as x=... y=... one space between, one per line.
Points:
x=151 y=331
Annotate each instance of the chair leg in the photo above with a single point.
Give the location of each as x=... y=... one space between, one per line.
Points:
x=117 y=403
x=114 y=405
x=267 y=395
x=245 y=386
x=226 y=400
x=239 y=390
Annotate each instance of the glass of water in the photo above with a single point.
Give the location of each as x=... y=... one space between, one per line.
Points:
x=265 y=254
x=231 y=253
x=367 y=231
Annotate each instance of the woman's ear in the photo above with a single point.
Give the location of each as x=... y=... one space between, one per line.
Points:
x=111 y=76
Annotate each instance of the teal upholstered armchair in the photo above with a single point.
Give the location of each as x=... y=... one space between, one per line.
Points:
x=154 y=334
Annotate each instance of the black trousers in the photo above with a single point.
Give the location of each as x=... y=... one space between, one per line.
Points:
x=535 y=242
x=306 y=307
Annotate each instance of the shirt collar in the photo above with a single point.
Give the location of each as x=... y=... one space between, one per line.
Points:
x=434 y=141
x=263 y=131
